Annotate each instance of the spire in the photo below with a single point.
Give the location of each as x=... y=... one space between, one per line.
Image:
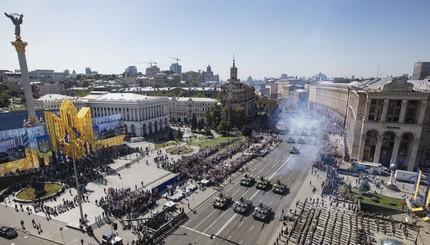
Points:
x=233 y=72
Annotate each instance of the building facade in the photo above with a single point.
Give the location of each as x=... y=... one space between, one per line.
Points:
x=421 y=70
x=48 y=88
x=235 y=94
x=385 y=120
x=52 y=102
x=182 y=109
x=142 y=115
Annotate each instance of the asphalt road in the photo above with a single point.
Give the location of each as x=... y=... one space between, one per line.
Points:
x=24 y=239
x=229 y=227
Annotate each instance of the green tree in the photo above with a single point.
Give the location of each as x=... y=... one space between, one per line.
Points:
x=238 y=118
x=246 y=131
x=208 y=131
x=179 y=135
x=170 y=135
x=224 y=126
x=194 y=123
x=364 y=187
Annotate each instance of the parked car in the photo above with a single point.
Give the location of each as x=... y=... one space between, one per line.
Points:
x=8 y=232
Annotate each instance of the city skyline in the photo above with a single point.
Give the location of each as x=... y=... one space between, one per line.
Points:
x=268 y=38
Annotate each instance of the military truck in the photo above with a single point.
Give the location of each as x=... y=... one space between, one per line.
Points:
x=279 y=187
x=262 y=183
x=261 y=212
x=221 y=201
x=247 y=180
x=294 y=150
x=242 y=205
x=291 y=140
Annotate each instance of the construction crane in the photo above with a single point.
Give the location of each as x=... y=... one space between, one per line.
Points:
x=150 y=63
x=177 y=59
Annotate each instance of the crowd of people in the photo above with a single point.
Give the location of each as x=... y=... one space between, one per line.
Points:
x=124 y=201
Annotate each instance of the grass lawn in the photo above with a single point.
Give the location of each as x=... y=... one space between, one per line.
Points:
x=201 y=142
x=212 y=142
x=9 y=181
x=370 y=197
x=28 y=194
x=158 y=146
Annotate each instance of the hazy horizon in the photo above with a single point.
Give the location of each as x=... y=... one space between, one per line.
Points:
x=298 y=38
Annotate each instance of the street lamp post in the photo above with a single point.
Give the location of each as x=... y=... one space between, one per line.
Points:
x=416 y=239
x=76 y=176
x=62 y=237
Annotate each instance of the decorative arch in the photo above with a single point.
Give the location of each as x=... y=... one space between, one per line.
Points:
x=133 y=129
x=404 y=153
x=387 y=147
x=161 y=124
x=150 y=128
x=370 y=145
x=144 y=129
x=156 y=126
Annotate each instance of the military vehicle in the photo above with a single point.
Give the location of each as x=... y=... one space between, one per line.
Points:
x=291 y=140
x=261 y=212
x=279 y=187
x=247 y=180
x=222 y=201
x=301 y=141
x=242 y=205
x=294 y=150
x=262 y=183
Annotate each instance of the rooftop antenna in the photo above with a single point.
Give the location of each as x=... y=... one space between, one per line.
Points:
x=377 y=73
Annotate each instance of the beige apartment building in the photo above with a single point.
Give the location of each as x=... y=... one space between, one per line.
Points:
x=386 y=120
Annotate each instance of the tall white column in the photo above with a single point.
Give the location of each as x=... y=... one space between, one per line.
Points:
x=361 y=147
x=367 y=110
x=384 y=110
x=413 y=154
x=20 y=49
x=378 y=149
x=395 y=150
x=403 y=111
x=422 y=111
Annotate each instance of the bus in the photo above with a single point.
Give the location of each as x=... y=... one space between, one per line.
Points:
x=137 y=139
x=370 y=167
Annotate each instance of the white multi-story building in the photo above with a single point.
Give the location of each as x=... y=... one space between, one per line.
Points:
x=52 y=102
x=142 y=115
x=386 y=120
x=182 y=109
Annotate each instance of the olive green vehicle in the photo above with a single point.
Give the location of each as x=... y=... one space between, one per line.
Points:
x=279 y=187
x=262 y=183
x=247 y=180
x=261 y=212
x=242 y=205
x=222 y=201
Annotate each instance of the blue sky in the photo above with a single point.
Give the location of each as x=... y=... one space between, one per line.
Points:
x=268 y=37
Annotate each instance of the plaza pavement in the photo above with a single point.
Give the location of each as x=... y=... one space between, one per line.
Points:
x=140 y=171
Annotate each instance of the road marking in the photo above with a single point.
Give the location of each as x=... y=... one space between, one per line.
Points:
x=271 y=176
x=215 y=221
x=230 y=188
x=225 y=225
x=270 y=203
x=229 y=237
x=25 y=236
x=251 y=227
x=188 y=228
x=236 y=191
x=240 y=224
x=205 y=218
x=240 y=241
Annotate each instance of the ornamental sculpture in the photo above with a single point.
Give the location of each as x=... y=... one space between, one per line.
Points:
x=17 y=21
